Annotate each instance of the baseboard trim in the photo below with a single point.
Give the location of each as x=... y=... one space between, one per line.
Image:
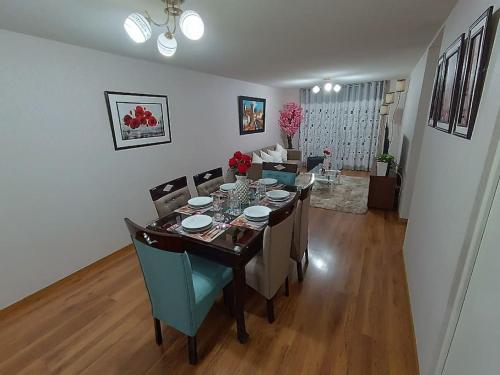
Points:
x=44 y=292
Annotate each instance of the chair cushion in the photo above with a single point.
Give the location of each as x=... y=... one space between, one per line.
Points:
x=208 y=187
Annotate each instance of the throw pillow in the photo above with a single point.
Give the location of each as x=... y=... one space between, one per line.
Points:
x=276 y=155
x=266 y=157
x=256 y=159
x=283 y=151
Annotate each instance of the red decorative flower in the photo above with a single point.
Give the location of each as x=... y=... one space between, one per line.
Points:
x=147 y=114
x=238 y=154
x=242 y=168
x=135 y=123
x=240 y=162
x=233 y=162
x=152 y=121
x=127 y=119
x=139 y=111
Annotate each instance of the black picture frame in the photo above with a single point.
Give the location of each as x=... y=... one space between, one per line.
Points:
x=450 y=85
x=436 y=92
x=473 y=75
x=248 y=123
x=126 y=136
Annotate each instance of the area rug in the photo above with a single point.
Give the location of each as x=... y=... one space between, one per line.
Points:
x=351 y=195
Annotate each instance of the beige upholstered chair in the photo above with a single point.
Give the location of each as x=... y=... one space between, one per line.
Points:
x=170 y=196
x=300 y=230
x=208 y=182
x=268 y=270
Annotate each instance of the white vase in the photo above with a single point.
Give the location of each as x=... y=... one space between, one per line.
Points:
x=382 y=168
x=242 y=190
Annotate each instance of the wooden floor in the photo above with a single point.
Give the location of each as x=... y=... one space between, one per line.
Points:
x=350 y=316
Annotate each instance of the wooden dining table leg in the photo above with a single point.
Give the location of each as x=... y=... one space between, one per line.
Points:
x=239 y=303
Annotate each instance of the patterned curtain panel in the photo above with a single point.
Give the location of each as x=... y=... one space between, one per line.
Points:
x=346 y=122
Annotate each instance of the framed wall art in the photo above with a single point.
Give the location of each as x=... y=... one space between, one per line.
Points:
x=450 y=85
x=138 y=120
x=436 y=92
x=252 y=113
x=475 y=64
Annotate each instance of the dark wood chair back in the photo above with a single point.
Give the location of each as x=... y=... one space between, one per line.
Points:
x=159 y=240
x=170 y=195
x=280 y=167
x=209 y=181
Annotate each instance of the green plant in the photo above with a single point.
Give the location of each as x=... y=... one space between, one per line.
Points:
x=385 y=158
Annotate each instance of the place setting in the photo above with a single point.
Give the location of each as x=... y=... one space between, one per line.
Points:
x=200 y=227
x=253 y=217
x=196 y=205
x=277 y=198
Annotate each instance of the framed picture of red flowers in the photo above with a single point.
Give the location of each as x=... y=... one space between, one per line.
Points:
x=138 y=120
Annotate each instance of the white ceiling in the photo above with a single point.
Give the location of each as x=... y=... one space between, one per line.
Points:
x=284 y=43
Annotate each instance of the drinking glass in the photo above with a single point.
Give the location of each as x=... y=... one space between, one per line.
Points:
x=217 y=206
x=261 y=190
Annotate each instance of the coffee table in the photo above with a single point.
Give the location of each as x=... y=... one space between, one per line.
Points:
x=329 y=177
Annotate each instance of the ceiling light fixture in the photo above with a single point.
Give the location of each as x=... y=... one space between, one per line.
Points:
x=138 y=26
x=328 y=86
x=337 y=88
x=315 y=89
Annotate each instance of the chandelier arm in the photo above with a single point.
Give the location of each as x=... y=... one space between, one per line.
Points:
x=150 y=19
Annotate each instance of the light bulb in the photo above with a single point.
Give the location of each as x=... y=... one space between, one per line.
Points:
x=337 y=88
x=191 y=25
x=167 y=45
x=315 y=89
x=137 y=27
x=328 y=86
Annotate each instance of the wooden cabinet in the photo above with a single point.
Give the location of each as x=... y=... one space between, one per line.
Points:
x=382 y=192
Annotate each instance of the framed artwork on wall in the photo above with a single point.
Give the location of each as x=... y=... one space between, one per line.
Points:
x=138 y=120
x=450 y=85
x=252 y=112
x=475 y=64
x=436 y=92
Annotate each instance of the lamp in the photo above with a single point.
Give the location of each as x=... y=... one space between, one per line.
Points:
x=337 y=88
x=328 y=86
x=138 y=26
x=315 y=89
x=401 y=85
x=389 y=98
x=384 y=110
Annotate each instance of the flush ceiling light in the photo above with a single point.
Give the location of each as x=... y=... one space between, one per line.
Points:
x=138 y=26
x=315 y=89
x=337 y=88
x=328 y=86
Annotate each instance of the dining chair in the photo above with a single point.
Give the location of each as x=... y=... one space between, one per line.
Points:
x=301 y=229
x=208 y=182
x=269 y=269
x=182 y=288
x=284 y=173
x=170 y=196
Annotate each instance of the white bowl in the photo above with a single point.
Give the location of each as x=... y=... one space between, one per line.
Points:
x=200 y=201
x=227 y=187
x=196 y=223
x=268 y=181
x=257 y=213
x=278 y=195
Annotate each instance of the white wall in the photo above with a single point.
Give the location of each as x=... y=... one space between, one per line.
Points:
x=64 y=189
x=415 y=115
x=447 y=189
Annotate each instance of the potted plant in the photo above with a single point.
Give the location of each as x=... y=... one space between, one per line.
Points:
x=290 y=120
x=239 y=164
x=384 y=162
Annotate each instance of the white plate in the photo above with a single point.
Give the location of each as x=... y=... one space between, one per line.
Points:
x=227 y=187
x=196 y=223
x=257 y=212
x=278 y=195
x=200 y=201
x=198 y=230
x=268 y=181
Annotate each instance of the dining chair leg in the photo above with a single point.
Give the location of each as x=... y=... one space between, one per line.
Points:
x=228 y=292
x=300 y=273
x=287 y=288
x=159 y=339
x=270 y=310
x=193 y=354
x=307 y=256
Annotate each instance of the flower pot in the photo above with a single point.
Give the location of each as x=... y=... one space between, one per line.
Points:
x=242 y=190
x=382 y=168
x=289 y=141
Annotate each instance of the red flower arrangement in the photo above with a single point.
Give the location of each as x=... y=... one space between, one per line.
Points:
x=141 y=117
x=240 y=163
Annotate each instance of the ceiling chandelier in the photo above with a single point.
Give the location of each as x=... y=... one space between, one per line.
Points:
x=138 y=26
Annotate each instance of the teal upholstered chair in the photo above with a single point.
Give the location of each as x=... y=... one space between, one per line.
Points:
x=182 y=288
x=284 y=173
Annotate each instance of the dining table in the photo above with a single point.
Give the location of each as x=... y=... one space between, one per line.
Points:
x=232 y=241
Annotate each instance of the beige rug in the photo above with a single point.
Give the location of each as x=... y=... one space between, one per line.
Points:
x=351 y=195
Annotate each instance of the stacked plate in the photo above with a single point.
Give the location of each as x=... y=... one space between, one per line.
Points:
x=200 y=202
x=278 y=195
x=268 y=181
x=197 y=223
x=257 y=213
x=227 y=187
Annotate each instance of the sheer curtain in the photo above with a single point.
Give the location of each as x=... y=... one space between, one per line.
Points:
x=346 y=122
